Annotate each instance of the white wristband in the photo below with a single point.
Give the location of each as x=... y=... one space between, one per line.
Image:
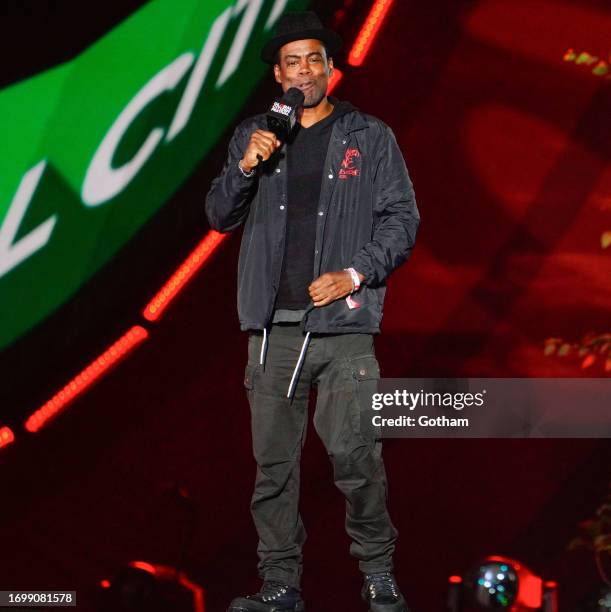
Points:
x=356 y=281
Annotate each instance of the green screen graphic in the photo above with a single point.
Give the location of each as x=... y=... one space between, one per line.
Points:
x=93 y=147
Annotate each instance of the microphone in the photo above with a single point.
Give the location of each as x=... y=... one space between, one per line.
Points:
x=282 y=115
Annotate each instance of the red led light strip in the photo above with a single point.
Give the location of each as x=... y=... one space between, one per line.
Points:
x=368 y=32
x=6 y=436
x=335 y=79
x=86 y=378
x=183 y=275
x=134 y=336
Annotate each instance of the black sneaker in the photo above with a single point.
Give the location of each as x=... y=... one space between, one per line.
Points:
x=382 y=593
x=273 y=597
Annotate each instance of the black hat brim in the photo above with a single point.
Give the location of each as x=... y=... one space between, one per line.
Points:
x=332 y=41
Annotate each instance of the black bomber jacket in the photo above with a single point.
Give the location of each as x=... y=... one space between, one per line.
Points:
x=367 y=219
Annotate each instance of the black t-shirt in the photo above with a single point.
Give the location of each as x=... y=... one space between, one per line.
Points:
x=306 y=154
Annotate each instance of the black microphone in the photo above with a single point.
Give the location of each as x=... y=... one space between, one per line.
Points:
x=282 y=115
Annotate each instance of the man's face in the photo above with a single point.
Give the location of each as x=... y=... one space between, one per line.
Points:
x=304 y=64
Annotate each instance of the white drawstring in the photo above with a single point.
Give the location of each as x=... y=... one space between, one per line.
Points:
x=263 y=346
x=304 y=346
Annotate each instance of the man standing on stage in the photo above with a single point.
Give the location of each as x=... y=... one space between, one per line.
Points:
x=328 y=214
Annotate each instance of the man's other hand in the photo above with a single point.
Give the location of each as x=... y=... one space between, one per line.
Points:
x=331 y=286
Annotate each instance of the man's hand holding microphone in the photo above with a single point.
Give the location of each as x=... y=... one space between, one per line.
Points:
x=261 y=147
x=281 y=119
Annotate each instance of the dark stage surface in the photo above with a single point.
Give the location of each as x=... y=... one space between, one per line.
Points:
x=509 y=150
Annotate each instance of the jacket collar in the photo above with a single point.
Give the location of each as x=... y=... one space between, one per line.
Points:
x=351 y=122
x=351 y=118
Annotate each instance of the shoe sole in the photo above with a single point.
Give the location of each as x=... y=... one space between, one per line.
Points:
x=400 y=606
x=300 y=607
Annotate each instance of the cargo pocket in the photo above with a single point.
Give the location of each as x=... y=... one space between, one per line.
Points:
x=365 y=372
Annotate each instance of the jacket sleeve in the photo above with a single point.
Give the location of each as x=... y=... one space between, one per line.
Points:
x=228 y=200
x=395 y=215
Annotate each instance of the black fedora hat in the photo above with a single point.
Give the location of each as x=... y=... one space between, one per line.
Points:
x=299 y=26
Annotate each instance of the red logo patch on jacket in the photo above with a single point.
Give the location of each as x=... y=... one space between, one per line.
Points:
x=348 y=168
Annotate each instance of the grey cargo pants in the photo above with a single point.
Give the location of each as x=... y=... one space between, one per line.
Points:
x=344 y=370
